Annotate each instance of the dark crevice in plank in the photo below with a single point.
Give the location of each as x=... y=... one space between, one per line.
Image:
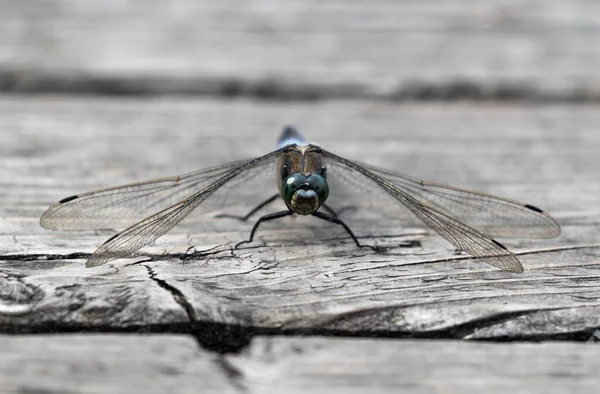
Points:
x=44 y=256
x=49 y=327
x=212 y=336
x=460 y=331
x=452 y=333
x=468 y=257
x=178 y=296
x=274 y=89
x=191 y=253
x=231 y=338
x=180 y=299
x=217 y=337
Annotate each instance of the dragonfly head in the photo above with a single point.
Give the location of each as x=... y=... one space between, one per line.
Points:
x=304 y=194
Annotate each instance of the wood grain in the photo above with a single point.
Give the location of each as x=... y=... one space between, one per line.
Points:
x=259 y=65
x=300 y=275
x=534 y=49
x=335 y=365
x=109 y=364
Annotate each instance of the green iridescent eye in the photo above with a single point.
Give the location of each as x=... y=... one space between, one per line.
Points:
x=290 y=185
x=319 y=184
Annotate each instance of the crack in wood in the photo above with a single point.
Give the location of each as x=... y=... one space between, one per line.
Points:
x=232 y=338
x=274 y=89
x=44 y=256
x=84 y=255
x=215 y=251
x=521 y=253
x=178 y=296
x=219 y=337
x=464 y=331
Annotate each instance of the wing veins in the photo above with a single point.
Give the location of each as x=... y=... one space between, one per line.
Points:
x=457 y=233
x=154 y=226
x=513 y=218
x=116 y=201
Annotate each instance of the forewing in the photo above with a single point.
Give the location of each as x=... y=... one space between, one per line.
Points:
x=438 y=212
x=212 y=195
x=121 y=206
x=491 y=215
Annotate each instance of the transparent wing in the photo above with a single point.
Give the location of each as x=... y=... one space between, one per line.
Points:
x=464 y=237
x=142 y=233
x=119 y=206
x=210 y=189
x=493 y=216
x=465 y=218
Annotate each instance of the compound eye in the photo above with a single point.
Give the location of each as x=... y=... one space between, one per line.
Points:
x=319 y=184
x=290 y=185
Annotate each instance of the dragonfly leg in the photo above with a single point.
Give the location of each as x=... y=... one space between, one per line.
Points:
x=338 y=213
x=252 y=212
x=264 y=218
x=331 y=211
x=336 y=220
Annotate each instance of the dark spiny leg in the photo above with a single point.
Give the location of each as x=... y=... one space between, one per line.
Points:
x=330 y=210
x=338 y=213
x=252 y=212
x=336 y=220
x=264 y=218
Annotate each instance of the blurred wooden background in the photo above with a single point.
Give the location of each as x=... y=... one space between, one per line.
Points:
x=498 y=96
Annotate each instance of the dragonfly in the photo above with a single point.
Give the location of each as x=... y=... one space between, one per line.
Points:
x=310 y=181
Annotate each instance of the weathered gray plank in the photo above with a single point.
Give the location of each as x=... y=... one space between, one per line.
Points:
x=533 y=48
x=169 y=363
x=333 y=365
x=109 y=364
x=305 y=278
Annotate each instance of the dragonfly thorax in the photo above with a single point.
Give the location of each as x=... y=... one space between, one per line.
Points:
x=304 y=193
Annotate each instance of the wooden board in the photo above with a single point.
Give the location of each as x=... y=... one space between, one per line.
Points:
x=300 y=276
x=333 y=365
x=146 y=364
x=109 y=364
x=305 y=49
